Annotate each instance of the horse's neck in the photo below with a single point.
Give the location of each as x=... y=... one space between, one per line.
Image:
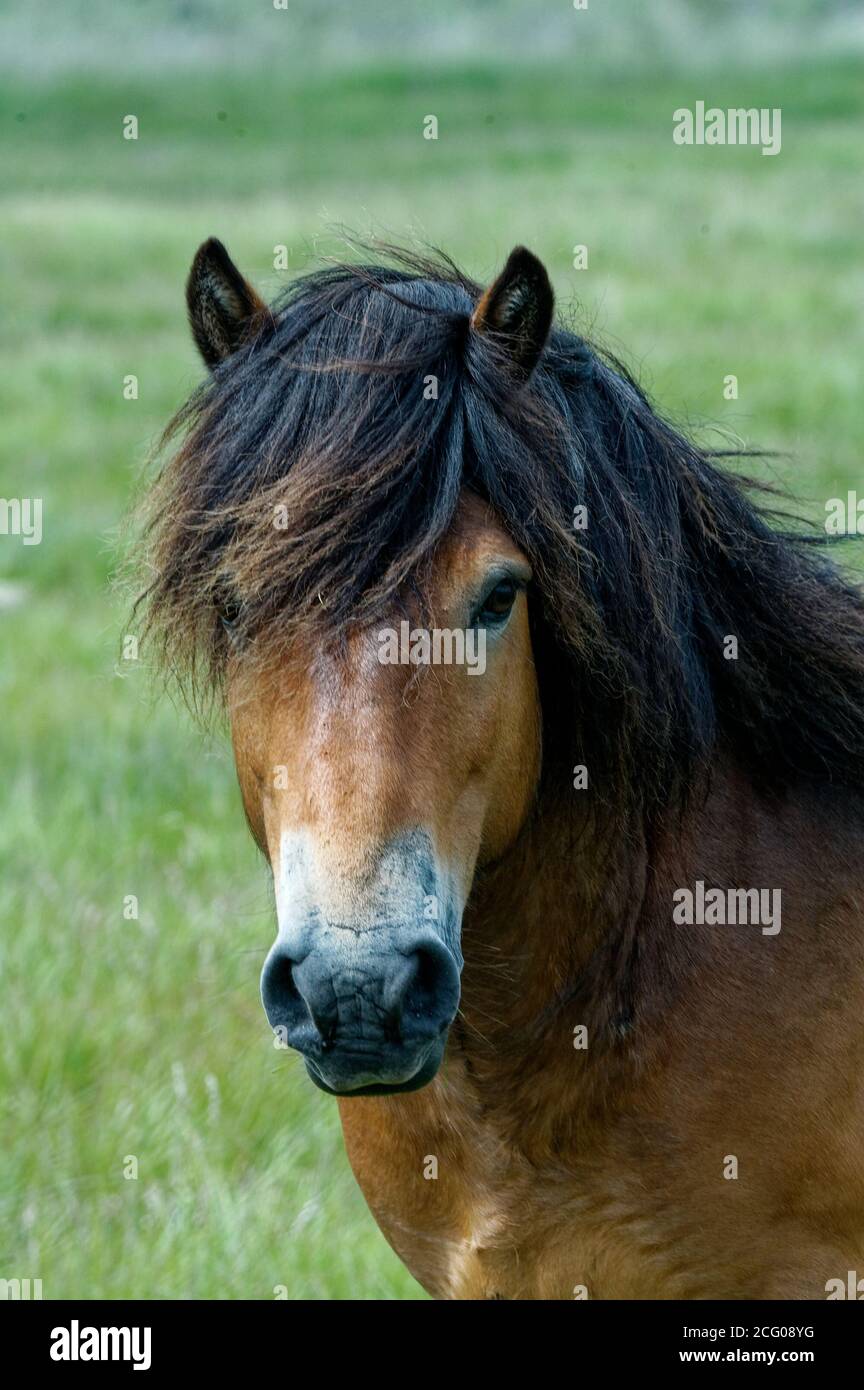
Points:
x=559 y=899
x=570 y=946
x=550 y=945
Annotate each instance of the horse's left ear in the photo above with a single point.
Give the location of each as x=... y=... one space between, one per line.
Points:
x=224 y=310
x=517 y=308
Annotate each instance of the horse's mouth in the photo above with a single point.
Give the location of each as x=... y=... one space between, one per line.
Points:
x=348 y=1074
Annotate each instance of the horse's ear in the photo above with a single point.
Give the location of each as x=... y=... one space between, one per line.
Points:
x=224 y=310
x=517 y=308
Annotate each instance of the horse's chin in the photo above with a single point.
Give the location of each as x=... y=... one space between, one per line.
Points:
x=342 y=1085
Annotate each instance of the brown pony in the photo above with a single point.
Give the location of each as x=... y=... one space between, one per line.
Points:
x=555 y=746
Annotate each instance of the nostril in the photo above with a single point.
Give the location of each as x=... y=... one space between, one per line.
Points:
x=432 y=995
x=297 y=995
x=279 y=992
x=425 y=983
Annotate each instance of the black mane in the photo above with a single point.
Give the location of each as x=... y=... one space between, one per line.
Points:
x=328 y=412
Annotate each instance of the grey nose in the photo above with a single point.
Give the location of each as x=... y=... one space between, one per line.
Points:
x=388 y=989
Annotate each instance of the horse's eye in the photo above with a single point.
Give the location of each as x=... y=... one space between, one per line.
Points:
x=498 y=602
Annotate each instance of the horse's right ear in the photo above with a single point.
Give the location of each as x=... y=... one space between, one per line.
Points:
x=224 y=310
x=517 y=309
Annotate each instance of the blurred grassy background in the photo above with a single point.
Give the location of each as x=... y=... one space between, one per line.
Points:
x=266 y=127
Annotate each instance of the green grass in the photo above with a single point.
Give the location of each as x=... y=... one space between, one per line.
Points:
x=146 y=1037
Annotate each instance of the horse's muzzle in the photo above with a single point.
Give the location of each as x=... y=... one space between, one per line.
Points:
x=369 y=1010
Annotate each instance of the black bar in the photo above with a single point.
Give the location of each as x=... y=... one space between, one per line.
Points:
x=270 y=1340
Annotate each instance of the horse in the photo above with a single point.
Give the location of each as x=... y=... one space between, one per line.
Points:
x=574 y=935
